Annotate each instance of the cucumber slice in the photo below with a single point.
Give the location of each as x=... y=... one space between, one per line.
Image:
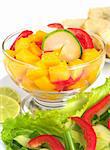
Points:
x=64 y=40
x=103 y=137
x=22 y=140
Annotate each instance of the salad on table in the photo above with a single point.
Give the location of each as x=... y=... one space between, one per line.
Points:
x=83 y=124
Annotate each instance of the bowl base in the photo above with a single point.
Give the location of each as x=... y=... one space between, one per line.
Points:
x=30 y=104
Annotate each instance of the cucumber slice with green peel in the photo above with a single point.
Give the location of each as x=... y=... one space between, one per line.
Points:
x=22 y=140
x=64 y=40
x=103 y=137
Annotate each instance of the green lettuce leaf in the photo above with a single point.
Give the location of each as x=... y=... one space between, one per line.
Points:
x=95 y=96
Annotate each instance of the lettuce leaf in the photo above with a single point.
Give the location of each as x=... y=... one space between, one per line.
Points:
x=95 y=96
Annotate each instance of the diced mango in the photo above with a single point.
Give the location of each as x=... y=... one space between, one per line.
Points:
x=35 y=49
x=28 y=84
x=44 y=83
x=22 y=44
x=81 y=84
x=32 y=37
x=40 y=70
x=10 y=52
x=76 y=72
x=50 y=59
x=57 y=52
x=39 y=36
x=75 y=62
x=26 y=56
x=90 y=54
x=16 y=70
x=59 y=72
x=92 y=71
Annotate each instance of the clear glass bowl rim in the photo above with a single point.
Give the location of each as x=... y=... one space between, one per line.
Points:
x=70 y=68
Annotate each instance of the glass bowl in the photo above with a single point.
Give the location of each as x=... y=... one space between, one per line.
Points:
x=47 y=97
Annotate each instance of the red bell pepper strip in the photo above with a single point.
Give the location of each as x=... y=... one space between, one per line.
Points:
x=109 y=123
x=89 y=114
x=88 y=132
x=56 y=25
x=83 y=37
x=23 y=34
x=49 y=139
x=62 y=85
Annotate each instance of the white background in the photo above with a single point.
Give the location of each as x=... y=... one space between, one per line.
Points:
x=16 y=14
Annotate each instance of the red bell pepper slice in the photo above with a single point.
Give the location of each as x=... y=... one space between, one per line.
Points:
x=23 y=34
x=83 y=37
x=89 y=114
x=88 y=132
x=108 y=123
x=54 y=143
x=56 y=25
x=62 y=85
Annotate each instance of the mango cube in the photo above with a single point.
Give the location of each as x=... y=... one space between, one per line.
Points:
x=22 y=44
x=50 y=59
x=16 y=70
x=35 y=49
x=76 y=72
x=32 y=37
x=90 y=54
x=10 y=53
x=28 y=84
x=59 y=72
x=26 y=56
x=39 y=70
x=39 y=36
x=81 y=84
x=44 y=83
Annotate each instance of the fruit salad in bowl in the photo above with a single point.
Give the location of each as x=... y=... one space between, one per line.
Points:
x=53 y=65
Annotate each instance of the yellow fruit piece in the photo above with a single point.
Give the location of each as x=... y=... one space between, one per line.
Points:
x=32 y=37
x=90 y=54
x=50 y=59
x=93 y=71
x=76 y=72
x=28 y=84
x=76 y=62
x=26 y=56
x=38 y=71
x=57 y=52
x=10 y=52
x=44 y=83
x=16 y=70
x=39 y=36
x=81 y=84
x=59 y=72
x=35 y=49
x=22 y=44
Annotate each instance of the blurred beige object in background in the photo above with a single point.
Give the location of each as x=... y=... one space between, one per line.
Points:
x=96 y=25
x=99 y=22
x=71 y=23
x=103 y=13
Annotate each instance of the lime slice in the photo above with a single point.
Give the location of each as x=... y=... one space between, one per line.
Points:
x=10 y=93
x=9 y=108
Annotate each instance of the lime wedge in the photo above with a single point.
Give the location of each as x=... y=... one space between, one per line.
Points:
x=9 y=108
x=10 y=93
